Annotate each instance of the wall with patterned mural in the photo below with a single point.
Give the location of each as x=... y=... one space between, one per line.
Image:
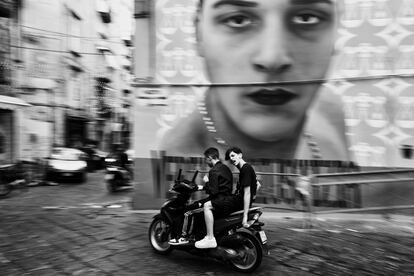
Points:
x=376 y=68
x=372 y=74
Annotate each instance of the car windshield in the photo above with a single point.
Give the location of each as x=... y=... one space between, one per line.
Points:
x=66 y=154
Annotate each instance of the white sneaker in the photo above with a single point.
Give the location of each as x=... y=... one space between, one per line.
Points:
x=206 y=243
x=178 y=241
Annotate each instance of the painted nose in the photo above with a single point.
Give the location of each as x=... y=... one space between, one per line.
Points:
x=272 y=53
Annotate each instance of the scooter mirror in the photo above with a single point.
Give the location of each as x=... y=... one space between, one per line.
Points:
x=195 y=176
x=179 y=175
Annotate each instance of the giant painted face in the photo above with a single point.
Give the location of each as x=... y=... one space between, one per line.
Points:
x=262 y=41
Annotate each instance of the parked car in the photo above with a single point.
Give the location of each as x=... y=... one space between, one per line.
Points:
x=66 y=163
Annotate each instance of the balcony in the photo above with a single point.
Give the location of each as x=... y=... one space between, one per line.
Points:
x=74 y=64
x=106 y=17
x=104 y=11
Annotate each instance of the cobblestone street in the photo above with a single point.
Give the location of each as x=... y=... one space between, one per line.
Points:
x=73 y=229
x=112 y=240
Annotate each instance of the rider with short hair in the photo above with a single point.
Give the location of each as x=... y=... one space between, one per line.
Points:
x=219 y=186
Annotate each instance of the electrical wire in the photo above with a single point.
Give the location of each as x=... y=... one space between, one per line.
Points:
x=60 y=51
x=293 y=82
x=58 y=34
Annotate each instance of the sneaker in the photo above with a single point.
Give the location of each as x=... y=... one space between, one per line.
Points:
x=179 y=241
x=206 y=243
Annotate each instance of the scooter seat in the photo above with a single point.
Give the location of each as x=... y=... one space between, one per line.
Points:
x=241 y=211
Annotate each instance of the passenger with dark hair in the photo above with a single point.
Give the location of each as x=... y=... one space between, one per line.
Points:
x=247 y=184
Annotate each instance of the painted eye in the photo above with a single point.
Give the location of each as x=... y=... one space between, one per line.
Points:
x=238 y=21
x=306 y=19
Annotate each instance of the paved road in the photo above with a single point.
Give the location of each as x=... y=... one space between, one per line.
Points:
x=63 y=231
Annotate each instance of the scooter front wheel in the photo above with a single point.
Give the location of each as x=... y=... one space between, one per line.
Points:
x=250 y=254
x=159 y=234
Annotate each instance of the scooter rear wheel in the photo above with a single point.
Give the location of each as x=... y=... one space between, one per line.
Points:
x=159 y=234
x=250 y=252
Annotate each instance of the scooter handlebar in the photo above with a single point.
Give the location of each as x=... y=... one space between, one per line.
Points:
x=195 y=176
x=179 y=174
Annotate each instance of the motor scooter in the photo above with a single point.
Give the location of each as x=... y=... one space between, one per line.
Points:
x=117 y=178
x=11 y=177
x=241 y=247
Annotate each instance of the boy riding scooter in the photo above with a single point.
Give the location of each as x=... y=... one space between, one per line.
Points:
x=218 y=186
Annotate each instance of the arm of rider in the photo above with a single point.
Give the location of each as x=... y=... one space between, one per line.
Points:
x=246 y=205
x=205 y=180
x=258 y=185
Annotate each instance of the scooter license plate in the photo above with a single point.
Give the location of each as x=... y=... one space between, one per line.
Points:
x=263 y=236
x=109 y=176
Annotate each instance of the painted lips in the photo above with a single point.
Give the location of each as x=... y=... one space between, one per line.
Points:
x=272 y=96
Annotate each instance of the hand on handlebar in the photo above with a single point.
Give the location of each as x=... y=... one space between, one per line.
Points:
x=205 y=178
x=200 y=187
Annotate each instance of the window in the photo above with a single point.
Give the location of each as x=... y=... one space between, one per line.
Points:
x=4 y=69
x=2 y=143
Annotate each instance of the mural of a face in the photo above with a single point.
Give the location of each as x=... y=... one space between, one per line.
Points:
x=262 y=41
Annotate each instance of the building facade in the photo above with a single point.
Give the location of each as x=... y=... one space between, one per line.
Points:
x=11 y=107
x=70 y=61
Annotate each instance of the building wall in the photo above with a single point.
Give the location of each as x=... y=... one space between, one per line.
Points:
x=372 y=75
x=61 y=64
x=8 y=138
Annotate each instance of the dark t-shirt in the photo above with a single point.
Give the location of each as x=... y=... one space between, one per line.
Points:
x=220 y=181
x=247 y=178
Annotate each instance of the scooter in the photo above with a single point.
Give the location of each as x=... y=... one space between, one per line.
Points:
x=117 y=178
x=11 y=177
x=240 y=247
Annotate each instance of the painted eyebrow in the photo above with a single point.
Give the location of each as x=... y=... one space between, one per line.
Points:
x=240 y=3
x=309 y=2
x=250 y=4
